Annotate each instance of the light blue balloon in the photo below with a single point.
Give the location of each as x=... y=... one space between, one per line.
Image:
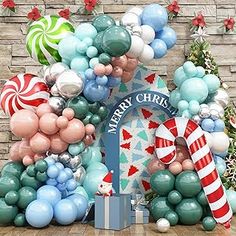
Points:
x=190 y=69
x=79 y=64
x=96 y=166
x=69 y=172
x=200 y=71
x=208 y=125
x=91 y=52
x=175 y=97
x=159 y=47
x=65 y=61
x=113 y=81
x=51 y=182
x=52 y=171
x=186 y=114
x=183 y=105
x=71 y=185
x=219 y=125
x=81 y=47
x=39 y=213
x=155 y=16
x=212 y=82
x=77 y=148
x=62 y=177
x=93 y=62
x=92 y=180
x=102 y=80
x=223 y=154
x=65 y=212
x=91 y=155
x=194 y=89
x=88 y=41
x=231 y=196
x=81 y=203
x=179 y=76
x=220 y=164
x=49 y=194
x=168 y=35
x=61 y=187
x=59 y=165
x=50 y=161
x=89 y=73
x=85 y=30
x=81 y=191
x=194 y=107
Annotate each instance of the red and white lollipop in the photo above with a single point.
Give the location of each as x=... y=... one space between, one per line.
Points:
x=23 y=91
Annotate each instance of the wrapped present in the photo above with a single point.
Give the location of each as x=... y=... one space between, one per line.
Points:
x=140 y=216
x=138 y=201
x=113 y=212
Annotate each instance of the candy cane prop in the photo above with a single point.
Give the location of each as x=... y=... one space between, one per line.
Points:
x=166 y=135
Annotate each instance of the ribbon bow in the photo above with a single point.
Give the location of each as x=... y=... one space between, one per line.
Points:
x=138 y=201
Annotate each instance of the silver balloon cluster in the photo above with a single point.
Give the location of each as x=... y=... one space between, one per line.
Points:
x=79 y=175
x=72 y=162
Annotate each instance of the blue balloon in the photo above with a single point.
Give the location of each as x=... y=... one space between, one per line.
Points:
x=61 y=187
x=90 y=74
x=79 y=64
x=88 y=41
x=159 y=47
x=85 y=30
x=49 y=194
x=77 y=148
x=179 y=76
x=212 y=82
x=62 y=177
x=102 y=80
x=51 y=182
x=208 y=125
x=81 y=191
x=96 y=166
x=52 y=171
x=91 y=155
x=94 y=61
x=200 y=71
x=168 y=35
x=65 y=212
x=113 y=81
x=155 y=16
x=220 y=164
x=183 y=105
x=59 y=165
x=231 y=196
x=175 y=97
x=194 y=107
x=190 y=69
x=69 y=172
x=81 y=47
x=91 y=52
x=81 y=203
x=71 y=185
x=223 y=154
x=50 y=161
x=39 y=213
x=219 y=125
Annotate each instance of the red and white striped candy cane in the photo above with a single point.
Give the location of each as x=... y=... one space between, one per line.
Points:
x=166 y=135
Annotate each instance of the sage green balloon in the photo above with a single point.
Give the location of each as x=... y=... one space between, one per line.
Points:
x=41 y=165
x=31 y=171
x=26 y=196
x=104 y=58
x=86 y=120
x=97 y=42
x=201 y=198
x=103 y=112
x=11 y=198
x=189 y=211
x=13 y=168
x=159 y=207
x=172 y=217
x=95 y=120
x=8 y=183
x=188 y=183
x=20 y=220
x=7 y=213
x=208 y=223
x=103 y=22
x=174 y=197
x=41 y=176
x=162 y=182
x=116 y=41
x=29 y=181
x=94 y=107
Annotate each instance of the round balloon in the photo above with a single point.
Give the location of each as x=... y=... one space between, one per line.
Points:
x=43 y=37
x=7 y=213
x=102 y=22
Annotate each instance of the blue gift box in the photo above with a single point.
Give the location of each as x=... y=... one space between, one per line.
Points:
x=113 y=212
x=140 y=216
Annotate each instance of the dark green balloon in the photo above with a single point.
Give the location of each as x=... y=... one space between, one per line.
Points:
x=208 y=223
x=162 y=182
x=189 y=211
x=116 y=41
x=159 y=207
x=26 y=196
x=20 y=220
x=86 y=120
x=31 y=171
x=188 y=183
x=103 y=112
x=80 y=107
x=7 y=213
x=103 y=22
x=104 y=58
x=201 y=198
x=94 y=107
x=11 y=198
x=29 y=181
x=13 y=168
x=174 y=197
x=207 y=211
x=41 y=176
x=8 y=182
x=97 y=42
x=95 y=120
x=172 y=217
x=41 y=165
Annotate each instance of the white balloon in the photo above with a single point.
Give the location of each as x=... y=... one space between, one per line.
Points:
x=148 y=34
x=136 y=48
x=163 y=225
x=136 y=10
x=130 y=19
x=217 y=107
x=136 y=30
x=209 y=138
x=147 y=54
x=220 y=142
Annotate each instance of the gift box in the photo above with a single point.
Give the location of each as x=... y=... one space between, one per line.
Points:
x=113 y=212
x=138 y=201
x=140 y=216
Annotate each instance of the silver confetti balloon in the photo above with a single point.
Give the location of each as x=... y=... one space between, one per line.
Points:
x=214 y=115
x=64 y=158
x=217 y=107
x=221 y=97
x=57 y=104
x=74 y=163
x=204 y=112
x=163 y=225
x=69 y=84
x=197 y=119
x=130 y=19
x=54 y=91
x=80 y=174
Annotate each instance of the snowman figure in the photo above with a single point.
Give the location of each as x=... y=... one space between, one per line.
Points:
x=105 y=188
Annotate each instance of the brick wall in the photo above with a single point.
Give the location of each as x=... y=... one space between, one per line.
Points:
x=14 y=58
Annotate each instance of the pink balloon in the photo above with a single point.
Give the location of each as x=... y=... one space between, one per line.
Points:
x=43 y=109
x=57 y=144
x=40 y=143
x=117 y=71
x=14 y=151
x=175 y=168
x=127 y=76
x=120 y=61
x=24 y=123
x=99 y=69
x=27 y=160
x=62 y=122
x=68 y=113
x=181 y=153
x=48 y=123
x=38 y=157
x=131 y=65
x=88 y=140
x=154 y=165
x=74 y=132
x=89 y=129
x=25 y=149
x=188 y=164
x=108 y=69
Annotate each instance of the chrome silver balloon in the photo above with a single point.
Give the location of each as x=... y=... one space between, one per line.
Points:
x=80 y=174
x=204 y=112
x=214 y=115
x=57 y=104
x=197 y=119
x=64 y=158
x=221 y=97
x=54 y=91
x=74 y=163
x=217 y=107
x=130 y=19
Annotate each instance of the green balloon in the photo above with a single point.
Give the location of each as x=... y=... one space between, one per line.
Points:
x=86 y=120
x=208 y=223
x=162 y=182
x=103 y=112
x=7 y=183
x=116 y=41
x=172 y=217
x=174 y=197
x=188 y=183
x=95 y=120
x=13 y=168
x=80 y=107
x=29 y=181
x=207 y=211
x=31 y=171
x=104 y=58
x=7 y=213
x=201 y=198
x=159 y=207
x=103 y=22
x=26 y=196
x=189 y=211
x=97 y=42
x=11 y=198
x=41 y=165
x=41 y=176
x=94 y=107
x=20 y=220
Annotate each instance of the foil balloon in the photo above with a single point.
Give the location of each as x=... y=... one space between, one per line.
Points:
x=64 y=158
x=217 y=107
x=74 y=163
x=79 y=175
x=57 y=104
x=221 y=97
